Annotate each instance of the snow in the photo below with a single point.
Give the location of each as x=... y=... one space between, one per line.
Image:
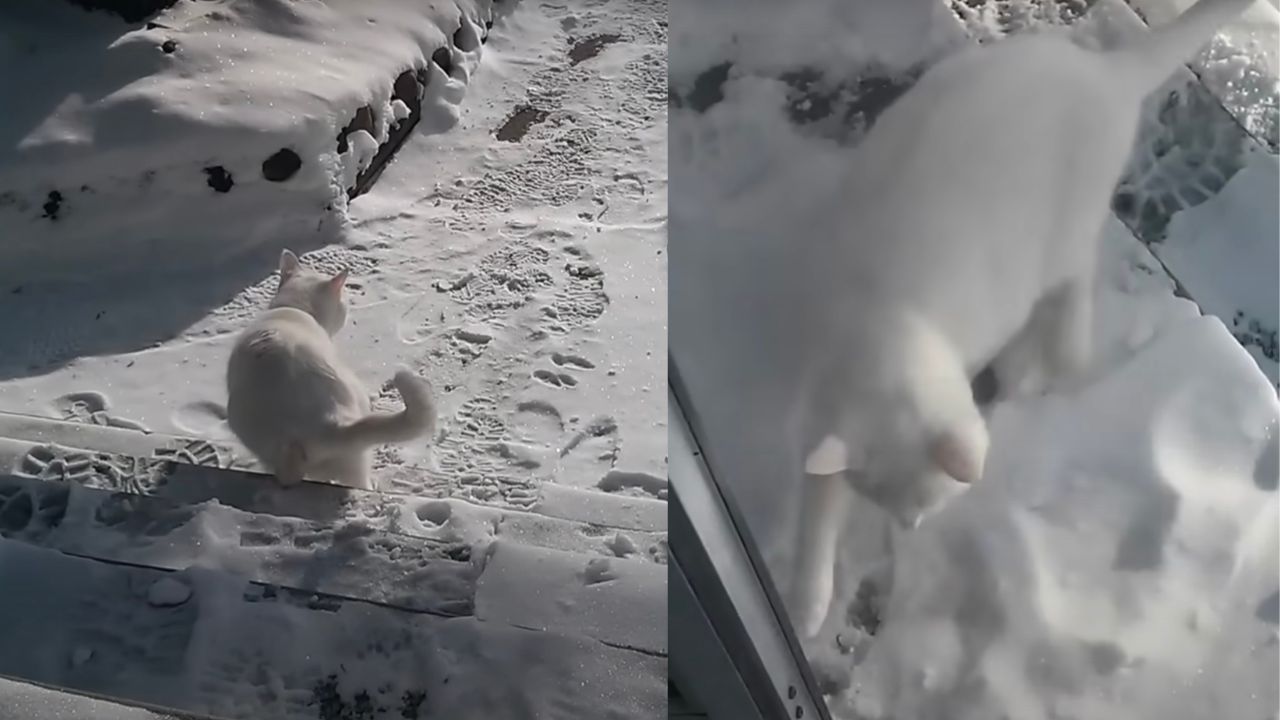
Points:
x=545 y=589
x=1227 y=236
x=1120 y=558
x=125 y=134
x=167 y=592
x=239 y=650
x=525 y=280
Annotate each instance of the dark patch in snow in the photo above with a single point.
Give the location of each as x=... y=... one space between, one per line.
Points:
x=1266 y=470
x=363 y=120
x=332 y=706
x=129 y=10
x=281 y=166
x=589 y=47
x=444 y=59
x=1142 y=546
x=708 y=87
x=466 y=39
x=1249 y=331
x=851 y=105
x=219 y=179
x=169 y=46
x=518 y=125
x=1269 y=609
x=53 y=205
x=1105 y=657
x=1015 y=16
x=411 y=703
x=864 y=611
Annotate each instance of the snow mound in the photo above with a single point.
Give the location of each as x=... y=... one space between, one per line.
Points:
x=1119 y=559
x=112 y=132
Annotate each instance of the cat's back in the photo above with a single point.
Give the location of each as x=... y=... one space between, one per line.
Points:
x=982 y=151
x=991 y=116
x=279 y=337
x=284 y=363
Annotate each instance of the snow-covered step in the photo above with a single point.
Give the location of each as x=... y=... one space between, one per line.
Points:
x=132 y=461
x=428 y=561
x=207 y=641
x=28 y=701
x=250 y=122
x=622 y=604
x=347 y=558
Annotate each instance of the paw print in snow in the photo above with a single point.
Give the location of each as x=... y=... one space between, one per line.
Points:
x=571 y=453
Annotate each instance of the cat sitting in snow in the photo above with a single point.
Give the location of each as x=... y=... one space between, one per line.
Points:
x=296 y=405
x=969 y=239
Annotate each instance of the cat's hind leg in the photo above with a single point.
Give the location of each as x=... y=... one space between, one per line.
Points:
x=1053 y=349
x=824 y=504
x=1067 y=327
x=292 y=465
x=1019 y=367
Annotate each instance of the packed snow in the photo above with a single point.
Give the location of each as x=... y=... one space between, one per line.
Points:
x=114 y=129
x=513 y=253
x=1120 y=558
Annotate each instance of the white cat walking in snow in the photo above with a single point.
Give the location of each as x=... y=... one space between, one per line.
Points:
x=970 y=239
x=296 y=405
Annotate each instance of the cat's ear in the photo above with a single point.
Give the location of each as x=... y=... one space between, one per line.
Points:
x=961 y=455
x=337 y=282
x=289 y=264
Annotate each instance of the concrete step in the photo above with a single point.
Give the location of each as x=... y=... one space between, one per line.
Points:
x=20 y=700
x=211 y=642
x=351 y=559
x=130 y=460
x=438 y=556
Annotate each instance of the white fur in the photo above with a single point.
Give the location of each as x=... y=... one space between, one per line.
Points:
x=970 y=239
x=296 y=405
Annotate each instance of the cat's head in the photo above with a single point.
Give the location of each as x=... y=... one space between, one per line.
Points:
x=312 y=292
x=905 y=450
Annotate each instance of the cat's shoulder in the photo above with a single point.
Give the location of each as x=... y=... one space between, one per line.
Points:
x=279 y=323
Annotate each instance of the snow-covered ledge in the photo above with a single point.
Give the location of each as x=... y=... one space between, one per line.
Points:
x=253 y=121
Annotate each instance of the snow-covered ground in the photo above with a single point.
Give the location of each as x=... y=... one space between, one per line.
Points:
x=513 y=253
x=1121 y=558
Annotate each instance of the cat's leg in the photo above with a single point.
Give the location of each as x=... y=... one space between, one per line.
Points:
x=1068 y=333
x=292 y=465
x=1019 y=367
x=351 y=470
x=824 y=504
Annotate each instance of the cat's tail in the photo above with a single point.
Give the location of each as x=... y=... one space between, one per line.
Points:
x=417 y=419
x=1151 y=58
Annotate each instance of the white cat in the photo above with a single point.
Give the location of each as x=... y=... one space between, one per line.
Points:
x=969 y=239
x=296 y=405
